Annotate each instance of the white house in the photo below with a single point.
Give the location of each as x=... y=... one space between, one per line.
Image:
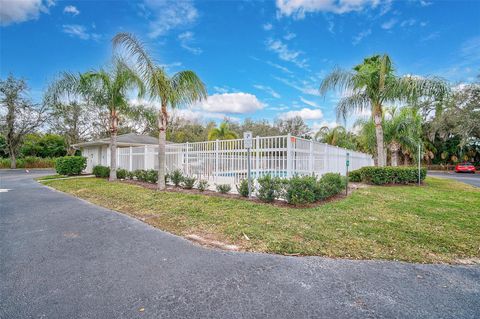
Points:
x=98 y=152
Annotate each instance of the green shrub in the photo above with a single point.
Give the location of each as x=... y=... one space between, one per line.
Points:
x=101 y=171
x=390 y=175
x=176 y=177
x=122 y=173
x=242 y=188
x=151 y=176
x=188 y=182
x=224 y=188
x=202 y=185
x=70 y=165
x=140 y=175
x=301 y=190
x=269 y=188
x=29 y=162
x=330 y=184
x=130 y=175
x=355 y=176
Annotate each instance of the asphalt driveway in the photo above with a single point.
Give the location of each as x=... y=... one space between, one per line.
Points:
x=61 y=257
x=472 y=179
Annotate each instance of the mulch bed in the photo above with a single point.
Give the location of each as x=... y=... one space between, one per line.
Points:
x=277 y=203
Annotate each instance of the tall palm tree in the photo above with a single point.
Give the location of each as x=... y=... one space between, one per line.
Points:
x=182 y=88
x=222 y=132
x=107 y=88
x=371 y=84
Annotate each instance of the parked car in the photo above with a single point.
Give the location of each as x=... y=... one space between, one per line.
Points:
x=465 y=168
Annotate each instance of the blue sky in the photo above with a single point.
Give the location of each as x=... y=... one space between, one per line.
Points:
x=259 y=59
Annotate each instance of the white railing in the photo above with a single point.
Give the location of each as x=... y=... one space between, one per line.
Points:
x=225 y=162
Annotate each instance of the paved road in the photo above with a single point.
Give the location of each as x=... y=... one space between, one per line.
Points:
x=472 y=179
x=61 y=257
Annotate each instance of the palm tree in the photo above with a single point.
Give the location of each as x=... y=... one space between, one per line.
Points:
x=223 y=132
x=107 y=88
x=182 y=88
x=337 y=136
x=371 y=84
x=403 y=129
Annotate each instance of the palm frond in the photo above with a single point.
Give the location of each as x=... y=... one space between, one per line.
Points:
x=338 y=79
x=357 y=102
x=187 y=88
x=138 y=52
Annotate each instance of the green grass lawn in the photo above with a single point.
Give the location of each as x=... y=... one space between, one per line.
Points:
x=47 y=177
x=438 y=222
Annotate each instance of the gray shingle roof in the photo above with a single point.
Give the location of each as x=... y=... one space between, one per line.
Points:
x=123 y=140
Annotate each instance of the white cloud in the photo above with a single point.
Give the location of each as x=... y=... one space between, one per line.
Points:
x=306 y=87
x=289 y=36
x=408 y=23
x=79 y=31
x=186 y=39
x=389 y=24
x=237 y=103
x=305 y=113
x=359 y=37
x=284 y=53
x=431 y=36
x=280 y=67
x=165 y=15
x=267 y=26
x=195 y=115
x=268 y=90
x=308 y=102
x=72 y=10
x=316 y=126
x=298 y=8
x=15 y=11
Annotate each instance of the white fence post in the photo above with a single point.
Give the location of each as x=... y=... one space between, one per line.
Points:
x=310 y=158
x=145 y=160
x=130 y=164
x=257 y=156
x=216 y=160
x=325 y=159
x=187 y=168
x=289 y=155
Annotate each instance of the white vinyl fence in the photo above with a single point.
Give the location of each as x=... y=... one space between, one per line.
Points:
x=225 y=162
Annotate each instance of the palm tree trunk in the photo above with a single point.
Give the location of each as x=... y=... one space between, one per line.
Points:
x=379 y=137
x=113 y=147
x=162 y=140
x=394 y=150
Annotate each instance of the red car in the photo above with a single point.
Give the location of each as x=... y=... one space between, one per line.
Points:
x=465 y=168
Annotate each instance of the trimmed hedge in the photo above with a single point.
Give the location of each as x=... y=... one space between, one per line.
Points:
x=149 y=176
x=101 y=171
x=29 y=162
x=388 y=175
x=330 y=185
x=355 y=176
x=122 y=173
x=70 y=165
x=301 y=190
x=269 y=188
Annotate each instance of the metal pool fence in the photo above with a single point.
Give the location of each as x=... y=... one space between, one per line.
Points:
x=225 y=161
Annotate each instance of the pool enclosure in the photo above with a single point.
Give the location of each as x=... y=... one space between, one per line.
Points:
x=226 y=161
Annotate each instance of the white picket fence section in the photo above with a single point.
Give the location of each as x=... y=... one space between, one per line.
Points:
x=225 y=161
